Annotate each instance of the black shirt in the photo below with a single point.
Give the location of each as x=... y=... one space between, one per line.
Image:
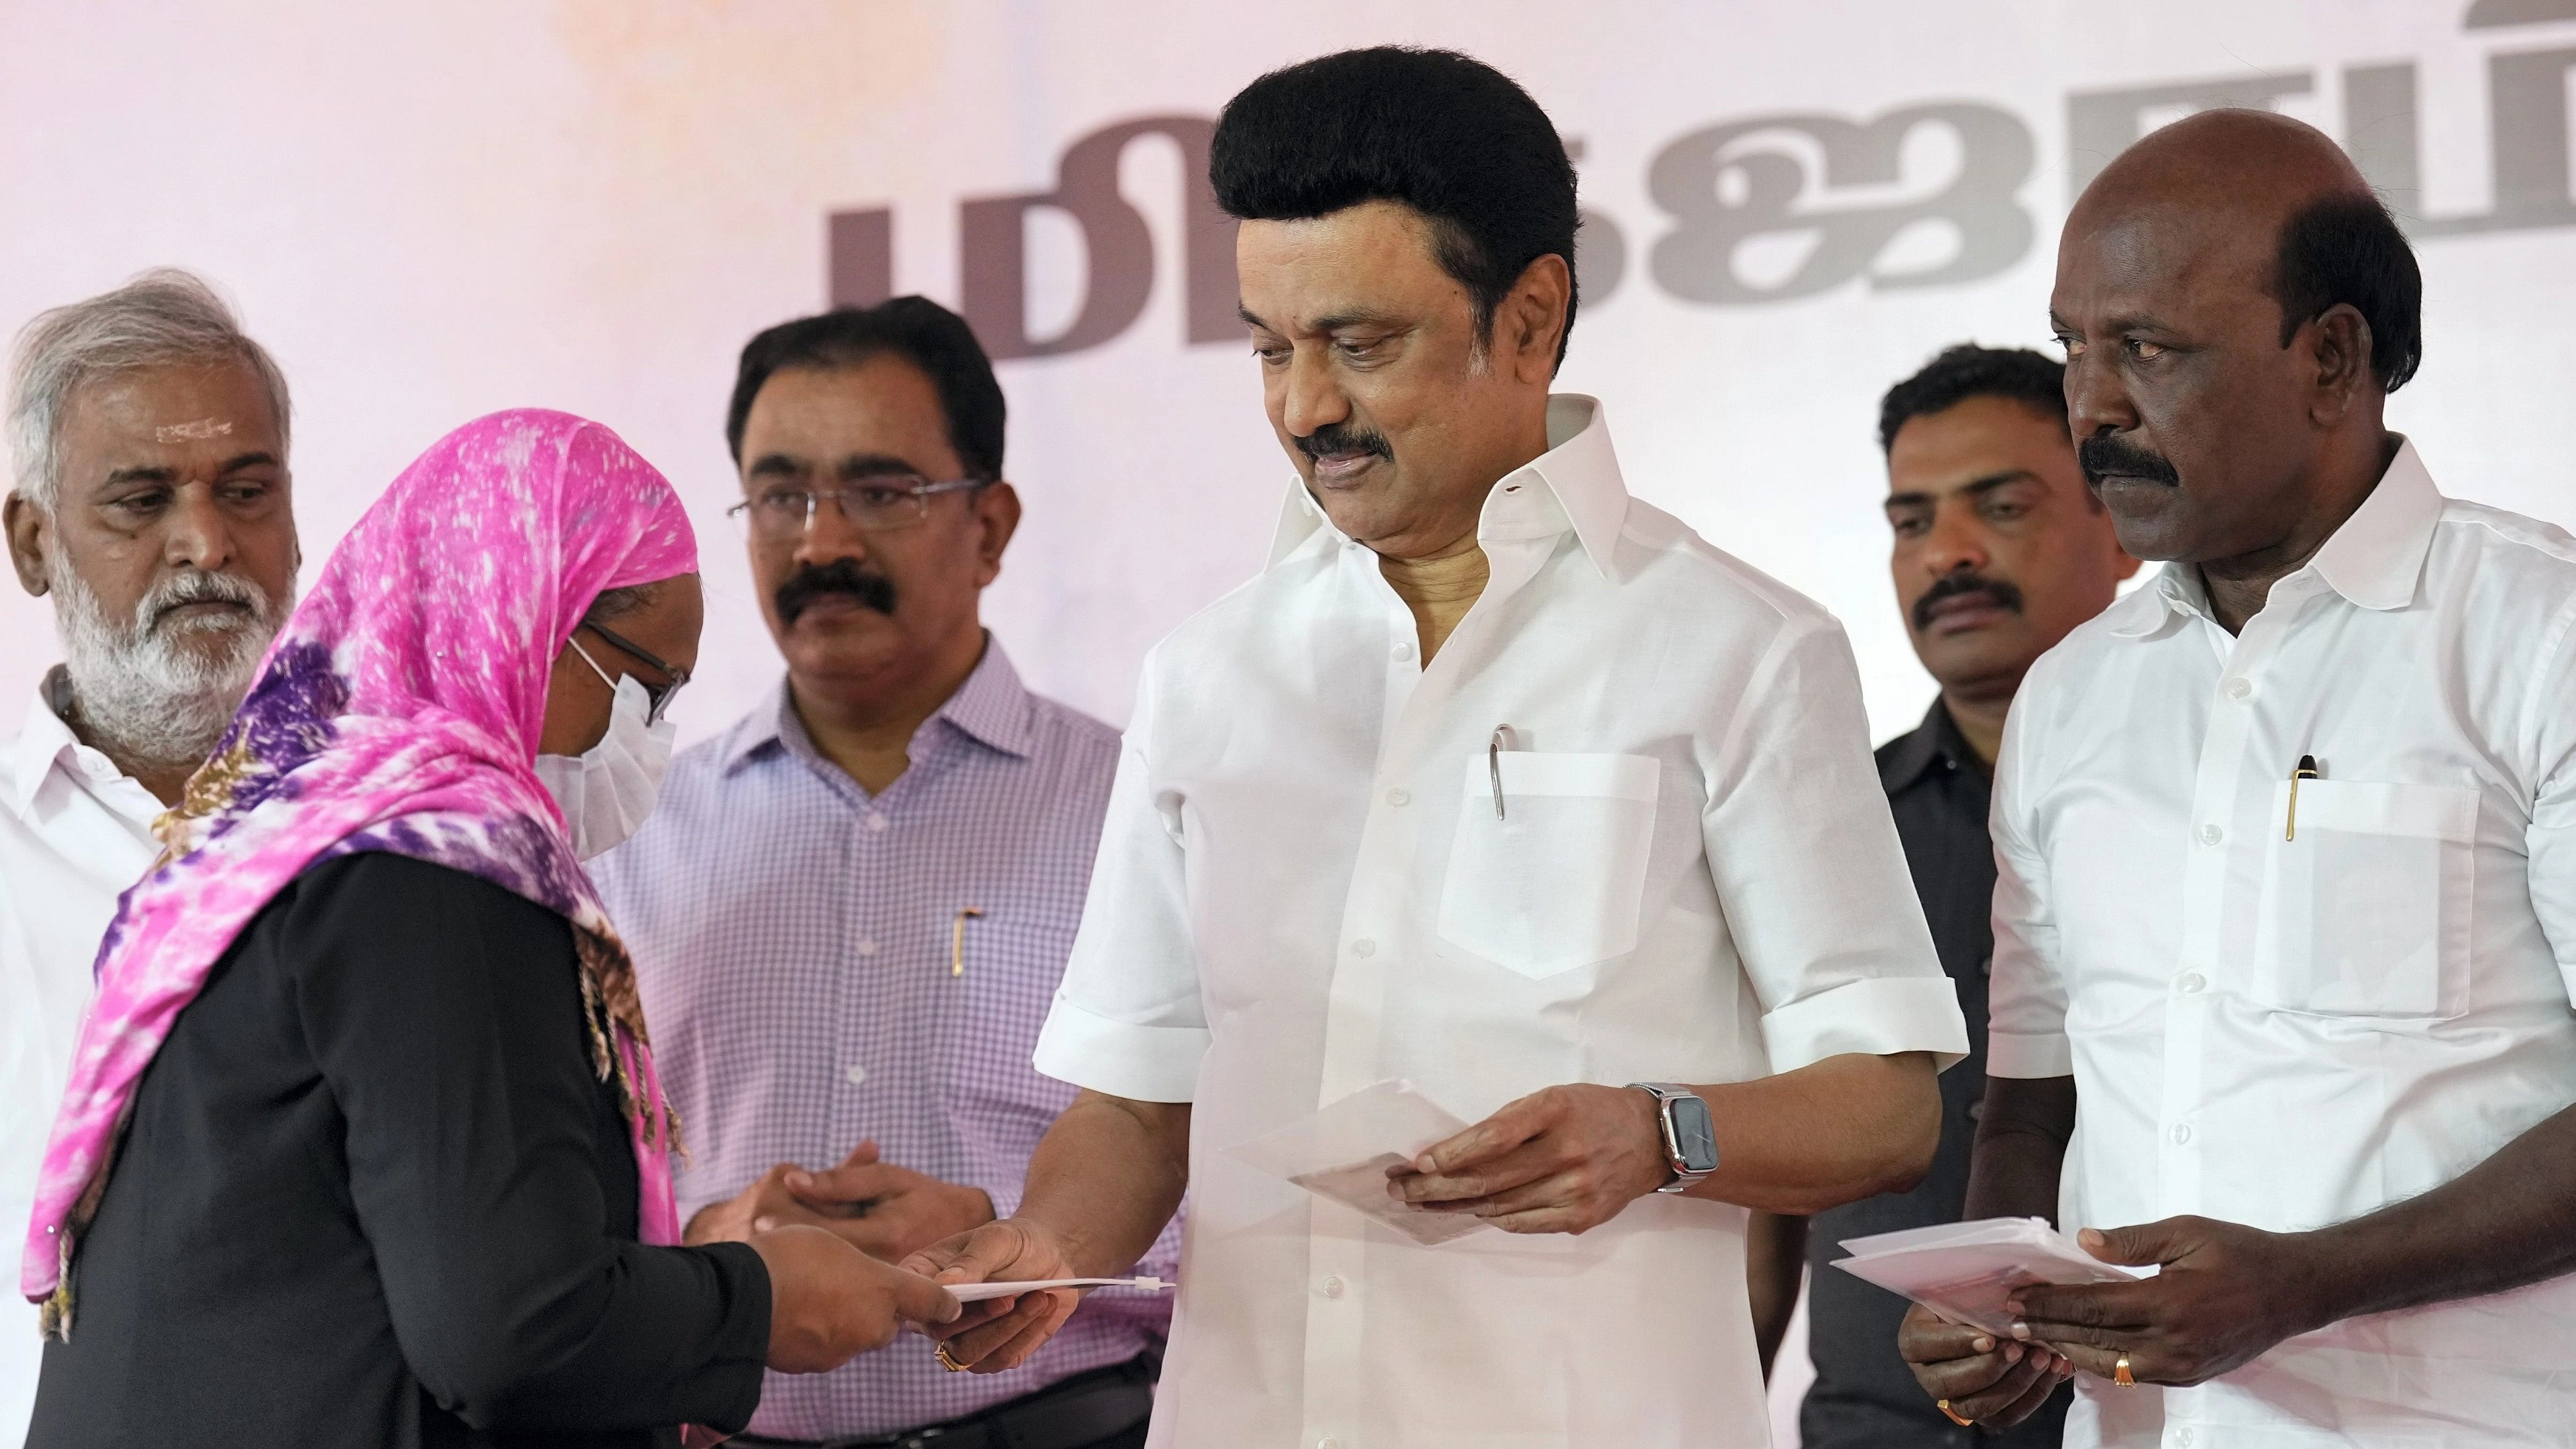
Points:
x=1864 y=1396
x=374 y=1194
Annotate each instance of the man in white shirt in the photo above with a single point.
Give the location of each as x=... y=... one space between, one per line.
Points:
x=147 y=450
x=2285 y=921
x=1497 y=781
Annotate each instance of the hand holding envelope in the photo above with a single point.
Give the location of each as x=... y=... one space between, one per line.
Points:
x=1344 y=1151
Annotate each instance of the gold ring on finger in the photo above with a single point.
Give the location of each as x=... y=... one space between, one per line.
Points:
x=949 y=1361
x=2120 y=1373
x=1954 y=1416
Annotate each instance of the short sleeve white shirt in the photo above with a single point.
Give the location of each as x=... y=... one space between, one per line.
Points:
x=2290 y=1015
x=75 y=831
x=1304 y=886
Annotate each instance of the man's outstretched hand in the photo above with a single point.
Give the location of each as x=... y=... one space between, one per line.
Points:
x=829 y=1302
x=1000 y=1333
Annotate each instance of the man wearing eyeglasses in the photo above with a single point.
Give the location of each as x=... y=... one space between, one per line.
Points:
x=850 y=911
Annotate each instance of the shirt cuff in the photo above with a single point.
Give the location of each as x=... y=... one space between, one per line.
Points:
x=1875 y=1016
x=1120 y=1058
x=2029 y=1054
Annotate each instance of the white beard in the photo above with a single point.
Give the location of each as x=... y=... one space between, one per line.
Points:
x=147 y=690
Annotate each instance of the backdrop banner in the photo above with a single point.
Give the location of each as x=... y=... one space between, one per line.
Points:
x=432 y=211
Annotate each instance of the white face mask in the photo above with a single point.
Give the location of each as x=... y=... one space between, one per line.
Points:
x=607 y=791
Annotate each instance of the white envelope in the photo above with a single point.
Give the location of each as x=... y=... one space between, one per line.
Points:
x=1343 y=1152
x=978 y=1292
x=1965 y=1271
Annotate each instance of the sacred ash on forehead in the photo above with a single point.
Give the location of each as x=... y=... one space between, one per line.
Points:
x=197 y=431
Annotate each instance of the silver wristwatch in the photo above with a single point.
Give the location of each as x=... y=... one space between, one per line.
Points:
x=1690 y=1133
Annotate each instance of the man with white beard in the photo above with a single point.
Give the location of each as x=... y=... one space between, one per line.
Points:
x=147 y=449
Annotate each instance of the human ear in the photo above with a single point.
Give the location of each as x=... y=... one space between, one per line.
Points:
x=26 y=525
x=997 y=517
x=1534 y=313
x=2338 y=344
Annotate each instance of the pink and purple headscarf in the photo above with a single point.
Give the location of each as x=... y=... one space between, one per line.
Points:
x=398 y=711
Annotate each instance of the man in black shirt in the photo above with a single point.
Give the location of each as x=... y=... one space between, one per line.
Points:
x=2000 y=549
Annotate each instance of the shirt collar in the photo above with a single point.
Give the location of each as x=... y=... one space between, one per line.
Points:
x=1574 y=484
x=2374 y=560
x=48 y=741
x=992 y=707
x=1932 y=742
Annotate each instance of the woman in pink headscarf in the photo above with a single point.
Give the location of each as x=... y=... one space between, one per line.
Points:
x=364 y=1144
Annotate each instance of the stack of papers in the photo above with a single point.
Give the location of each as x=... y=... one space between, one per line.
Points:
x=1343 y=1152
x=1965 y=1271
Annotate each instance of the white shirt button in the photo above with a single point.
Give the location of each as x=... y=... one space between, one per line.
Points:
x=2182 y=1439
x=2239 y=687
x=2191 y=983
x=854 y=1074
x=1328 y=1442
x=1399 y=797
x=1335 y=1287
x=1403 y=652
x=2181 y=1133
x=877 y=821
x=864 y=946
x=2211 y=835
x=1364 y=947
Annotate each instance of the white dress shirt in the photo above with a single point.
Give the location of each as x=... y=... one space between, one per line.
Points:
x=1303 y=888
x=2289 y=1023
x=75 y=831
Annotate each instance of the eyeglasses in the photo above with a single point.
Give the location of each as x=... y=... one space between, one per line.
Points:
x=880 y=504
x=657 y=699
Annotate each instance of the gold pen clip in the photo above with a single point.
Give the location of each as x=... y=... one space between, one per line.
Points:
x=2307 y=770
x=957 y=940
x=1494 y=762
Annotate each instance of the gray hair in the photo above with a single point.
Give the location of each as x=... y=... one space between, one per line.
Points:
x=161 y=317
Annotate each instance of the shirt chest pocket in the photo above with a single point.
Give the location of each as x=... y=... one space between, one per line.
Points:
x=1554 y=875
x=2366 y=896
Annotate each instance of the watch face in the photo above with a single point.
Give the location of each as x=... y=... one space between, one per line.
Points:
x=1695 y=1133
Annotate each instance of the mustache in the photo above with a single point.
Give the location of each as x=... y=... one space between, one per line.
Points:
x=1335 y=438
x=2103 y=455
x=2004 y=592
x=822 y=580
x=195 y=587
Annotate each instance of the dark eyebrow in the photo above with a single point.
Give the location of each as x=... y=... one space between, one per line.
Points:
x=1987 y=484
x=773 y=465
x=250 y=460
x=122 y=476
x=1356 y=317
x=1993 y=481
x=876 y=465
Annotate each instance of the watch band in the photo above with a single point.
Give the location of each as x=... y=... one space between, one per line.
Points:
x=1666 y=1094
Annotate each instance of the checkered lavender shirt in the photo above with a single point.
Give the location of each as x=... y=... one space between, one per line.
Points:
x=793 y=939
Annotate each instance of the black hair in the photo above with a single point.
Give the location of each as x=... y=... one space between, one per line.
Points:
x=916 y=329
x=1445 y=134
x=621 y=601
x=2346 y=248
x=1968 y=370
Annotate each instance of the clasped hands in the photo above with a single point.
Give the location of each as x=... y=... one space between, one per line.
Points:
x=828 y=1239
x=1563 y=1160
x=2224 y=1295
